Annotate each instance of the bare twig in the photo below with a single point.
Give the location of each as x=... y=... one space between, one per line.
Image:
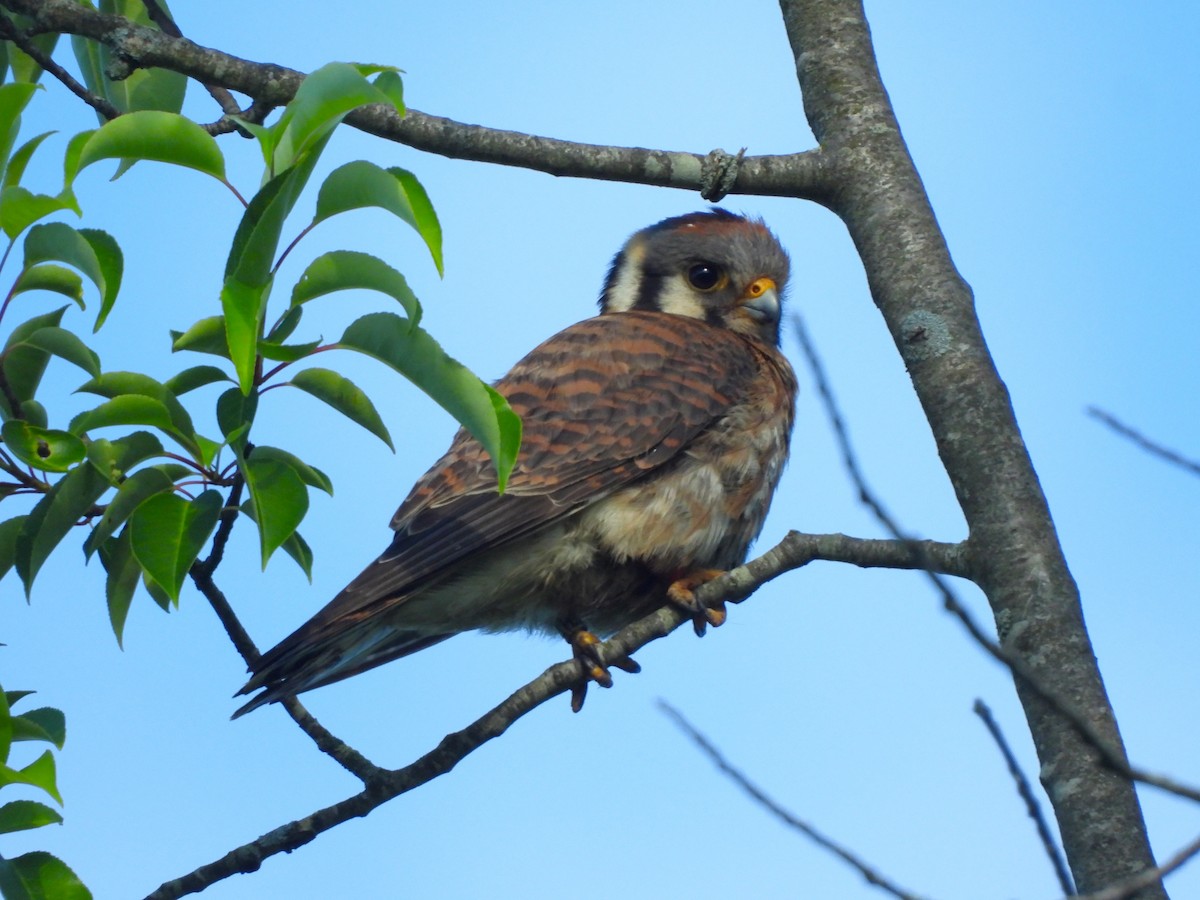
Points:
x=763 y=799
x=1112 y=755
x=1031 y=802
x=1154 y=448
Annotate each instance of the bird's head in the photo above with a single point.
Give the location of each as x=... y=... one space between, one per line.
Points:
x=722 y=268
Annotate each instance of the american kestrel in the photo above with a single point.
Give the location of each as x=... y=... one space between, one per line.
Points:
x=654 y=436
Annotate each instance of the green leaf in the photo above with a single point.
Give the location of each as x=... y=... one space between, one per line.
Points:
x=168 y=532
x=23 y=364
x=113 y=459
x=42 y=724
x=390 y=83
x=112 y=267
x=71 y=161
x=41 y=448
x=343 y=270
x=286 y=352
x=243 y=306
x=6 y=700
x=54 y=516
x=361 y=184
x=310 y=475
x=156 y=135
x=280 y=500
x=39 y=773
x=10 y=530
x=20 y=160
x=47 y=277
x=29 y=326
x=297 y=548
x=20 y=208
x=195 y=377
x=323 y=99
x=282 y=330
x=65 y=345
x=157 y=594
x=344 y=396
x=130 y=409
x=235 y=415
x=419 y=358
x=206 y=336
x=256 y=241
x=121 y=386
x=40 y=876
x=134 y=491
x=22 y=815
x=13 y=100
x=23 y=66
x=33 y=413
x=59 y=242
x=124 y=573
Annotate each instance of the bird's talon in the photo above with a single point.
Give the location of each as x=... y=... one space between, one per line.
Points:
x=578 y=695
x=682 y=594
x=626 y=664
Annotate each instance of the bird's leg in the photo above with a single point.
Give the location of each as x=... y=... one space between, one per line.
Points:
x=682 y=594
x=585 y=647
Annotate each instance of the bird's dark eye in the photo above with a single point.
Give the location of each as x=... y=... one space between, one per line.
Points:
x=705 y=276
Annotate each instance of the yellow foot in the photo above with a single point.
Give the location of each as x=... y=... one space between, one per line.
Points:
x=585 y=647
x=682 y=594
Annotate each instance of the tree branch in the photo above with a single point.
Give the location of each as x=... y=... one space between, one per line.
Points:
x=9 y=32
x=382 y=785
x=1032 y=807
x=762 y=799
x=1129 y=887
x=930 y=313
x=794 y=175
x=1154 y=448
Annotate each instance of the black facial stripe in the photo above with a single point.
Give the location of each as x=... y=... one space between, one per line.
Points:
x=610 y=280
x=649 y=291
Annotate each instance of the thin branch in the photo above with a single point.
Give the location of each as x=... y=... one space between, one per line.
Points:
x=763 y=799
x=1111 y=754
x=805 y=175
x=167 y=25
x=345 y=755
x=794 y=551
x=9 y=32
x=1190 y=466
x=1123 y=890
x=1032 y=807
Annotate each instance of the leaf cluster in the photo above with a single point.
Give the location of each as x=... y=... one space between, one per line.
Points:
x=37 y=874
x=150 y=491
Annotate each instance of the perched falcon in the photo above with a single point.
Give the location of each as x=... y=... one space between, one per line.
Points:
x=654 y=436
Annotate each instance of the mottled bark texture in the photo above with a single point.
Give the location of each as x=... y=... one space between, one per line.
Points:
x=1016 y=557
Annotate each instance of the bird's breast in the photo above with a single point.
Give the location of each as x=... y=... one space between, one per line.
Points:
x=705 y=507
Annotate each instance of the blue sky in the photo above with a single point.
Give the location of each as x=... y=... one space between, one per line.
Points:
x=1055 y=143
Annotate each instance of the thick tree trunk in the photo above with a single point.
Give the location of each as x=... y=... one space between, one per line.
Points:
x=929 y=309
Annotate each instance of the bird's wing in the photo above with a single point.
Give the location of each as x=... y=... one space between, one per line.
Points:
x=602 y=403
